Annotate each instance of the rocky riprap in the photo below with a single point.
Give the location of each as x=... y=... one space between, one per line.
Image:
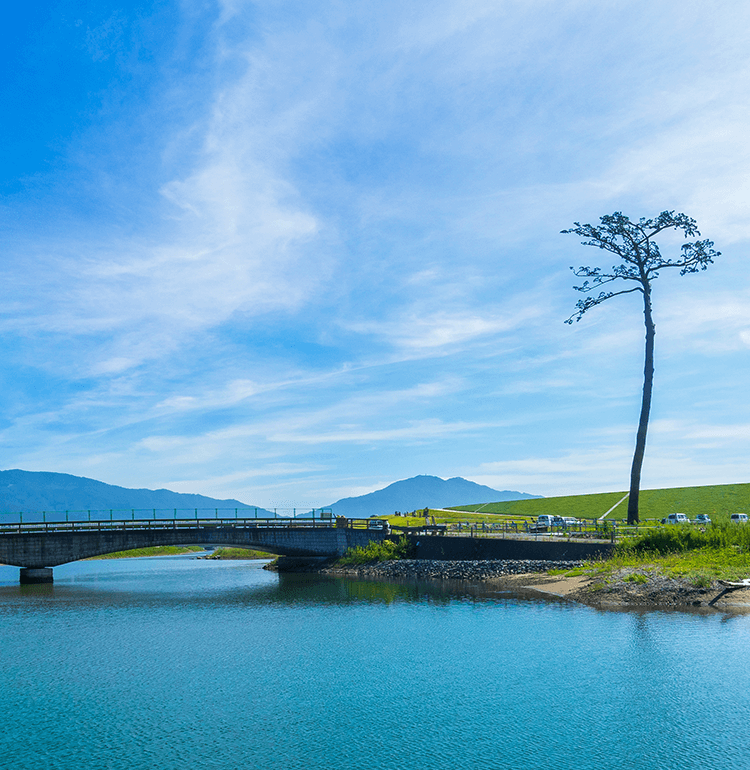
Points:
x=652 y=589
x=451 y=570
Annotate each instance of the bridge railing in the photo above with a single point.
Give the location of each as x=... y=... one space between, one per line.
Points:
x=118 y=514
x=29 y=527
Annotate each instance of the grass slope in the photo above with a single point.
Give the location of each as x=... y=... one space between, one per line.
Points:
x=239 y=553
x=174 y=550
x=155 y=550
x=718 y=501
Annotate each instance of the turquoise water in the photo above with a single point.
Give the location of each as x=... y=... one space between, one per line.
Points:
x=174 y=662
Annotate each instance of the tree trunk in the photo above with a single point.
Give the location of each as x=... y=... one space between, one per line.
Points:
x=648 y=381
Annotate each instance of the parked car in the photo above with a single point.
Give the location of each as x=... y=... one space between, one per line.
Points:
x=546 y=520
x=738 y=518
x=676 y=518
x=378 y=524
x=702 y=518
x=563 y=521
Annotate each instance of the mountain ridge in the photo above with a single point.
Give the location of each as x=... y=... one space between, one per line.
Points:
x=37 y=491
x=49 y=491
x=422 y=492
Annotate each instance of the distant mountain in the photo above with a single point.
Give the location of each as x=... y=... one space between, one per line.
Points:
x=421 y=492
x=42 y=491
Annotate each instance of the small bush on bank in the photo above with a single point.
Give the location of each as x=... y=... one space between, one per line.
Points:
x=701 y=580
x=387 y=550
x=675 y=539
x=683 y=538
x=637 y=577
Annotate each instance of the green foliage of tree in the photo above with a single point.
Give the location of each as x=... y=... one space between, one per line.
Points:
x=640 y=262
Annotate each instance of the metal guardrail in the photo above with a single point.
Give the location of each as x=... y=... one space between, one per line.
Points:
x=596 y=529
x=141 y=514
x=45 y=527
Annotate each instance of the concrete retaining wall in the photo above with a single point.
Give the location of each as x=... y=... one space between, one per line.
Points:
x=474 y=548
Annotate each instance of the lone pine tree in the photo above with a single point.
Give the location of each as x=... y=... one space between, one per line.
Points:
x=639 y=264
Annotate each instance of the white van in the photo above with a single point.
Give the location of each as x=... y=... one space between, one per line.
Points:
x=738 y=518
x=676 y=518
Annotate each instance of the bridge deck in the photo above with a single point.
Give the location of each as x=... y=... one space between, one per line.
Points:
x=21 y=527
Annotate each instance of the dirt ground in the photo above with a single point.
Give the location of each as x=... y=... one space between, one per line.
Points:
x=657 y=591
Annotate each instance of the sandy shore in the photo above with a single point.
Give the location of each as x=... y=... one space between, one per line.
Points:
x=657 y=592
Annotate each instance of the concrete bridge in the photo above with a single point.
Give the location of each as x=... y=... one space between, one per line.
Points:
x=40 y=546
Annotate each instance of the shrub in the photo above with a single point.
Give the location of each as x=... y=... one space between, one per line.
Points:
x=674 y=539
x=682 y=538
x=386 y=550
x=701 y=580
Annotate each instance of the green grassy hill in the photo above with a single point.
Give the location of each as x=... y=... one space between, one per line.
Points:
x=718 y=501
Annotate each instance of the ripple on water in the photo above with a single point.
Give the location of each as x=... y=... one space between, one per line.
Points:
x=165 y=662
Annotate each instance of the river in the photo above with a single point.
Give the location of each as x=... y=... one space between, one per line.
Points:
x=168 y=663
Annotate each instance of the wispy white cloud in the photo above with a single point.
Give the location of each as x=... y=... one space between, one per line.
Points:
x=412 y=432
x=712 y=322
x=233 y=393
x=343 y=421
x=438 y=330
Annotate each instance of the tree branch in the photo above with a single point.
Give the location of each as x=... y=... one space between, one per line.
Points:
x=584 y=305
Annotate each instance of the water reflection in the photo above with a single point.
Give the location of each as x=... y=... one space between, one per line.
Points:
x=182 y=580
x=163 y=580
x=298 y=588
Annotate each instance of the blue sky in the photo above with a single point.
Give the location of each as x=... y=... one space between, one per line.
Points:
x=290 y=252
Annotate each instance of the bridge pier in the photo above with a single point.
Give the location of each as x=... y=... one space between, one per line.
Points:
x=36 y=575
